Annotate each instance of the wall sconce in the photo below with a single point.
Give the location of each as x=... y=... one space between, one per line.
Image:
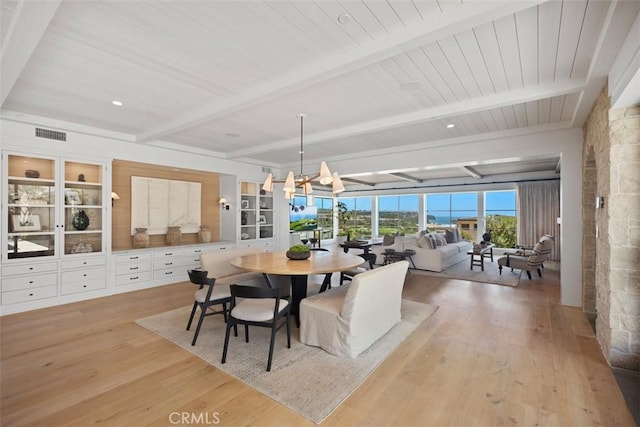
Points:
x=224 y=203
x=114 y=196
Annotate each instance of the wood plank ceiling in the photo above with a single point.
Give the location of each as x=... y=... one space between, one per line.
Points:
x=228 y=77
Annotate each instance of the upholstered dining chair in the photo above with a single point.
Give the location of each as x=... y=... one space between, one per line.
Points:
x=206 y=297
x=264 y=307
x=369 y=260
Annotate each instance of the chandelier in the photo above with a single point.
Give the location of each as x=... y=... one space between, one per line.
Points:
x=302 y=181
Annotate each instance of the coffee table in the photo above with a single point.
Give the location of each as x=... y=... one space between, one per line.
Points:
x=478 y=255
x=391 y=256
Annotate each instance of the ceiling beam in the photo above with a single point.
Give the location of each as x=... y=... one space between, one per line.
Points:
x=28 y=23
x=357 y=181
x=471 y=171
x=406 y=177
x=431 y=29
x=514 y=97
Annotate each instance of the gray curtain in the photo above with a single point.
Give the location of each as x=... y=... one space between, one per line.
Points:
x=538 y=209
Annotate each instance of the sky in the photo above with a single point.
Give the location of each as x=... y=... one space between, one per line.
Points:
x=495 y=202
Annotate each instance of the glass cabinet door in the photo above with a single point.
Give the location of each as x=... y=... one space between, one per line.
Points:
x=83 y=207
x=31 y=193
x=248 y=192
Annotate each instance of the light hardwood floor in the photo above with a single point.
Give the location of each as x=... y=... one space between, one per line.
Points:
x=491 y=355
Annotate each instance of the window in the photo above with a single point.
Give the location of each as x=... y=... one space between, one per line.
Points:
x=500 y=217
x=325 y=216
x=398 y=214
x=359 y=223
x=450 y=209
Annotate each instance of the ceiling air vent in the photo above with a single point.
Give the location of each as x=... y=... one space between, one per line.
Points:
x=51 y=134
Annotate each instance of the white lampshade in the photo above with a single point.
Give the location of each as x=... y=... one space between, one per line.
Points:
x=325 y=174
x=268 y=183
x=289 y=183
x=337 y=184
x=289 y=194
x=308 y=189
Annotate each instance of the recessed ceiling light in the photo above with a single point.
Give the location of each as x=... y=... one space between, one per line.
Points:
x=411 y=85
x=117 y=103
x=232 y=135
x=344 y=18
x=450 y=126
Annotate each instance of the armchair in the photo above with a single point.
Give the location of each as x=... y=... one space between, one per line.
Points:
x=528 y=260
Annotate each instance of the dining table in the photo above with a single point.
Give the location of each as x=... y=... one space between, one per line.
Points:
x=277 y=263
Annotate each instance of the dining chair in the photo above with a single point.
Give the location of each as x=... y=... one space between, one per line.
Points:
x=206 y=297
x=369 y=259
x=314 y=287
x=264 y=307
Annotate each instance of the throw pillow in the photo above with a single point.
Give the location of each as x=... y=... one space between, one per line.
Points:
x=424 y=243
x=388 y=240
x=440 y=240
x=450 y=236
x=458 y=235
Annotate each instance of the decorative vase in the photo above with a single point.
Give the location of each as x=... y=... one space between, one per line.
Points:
x=174 y=236
x=298 y=255
x=141 y=238
x=204 y=236
x=80 y=220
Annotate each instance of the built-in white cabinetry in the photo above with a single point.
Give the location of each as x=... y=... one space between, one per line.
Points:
x=256 y=215
x=53 y=241
x=156 y=266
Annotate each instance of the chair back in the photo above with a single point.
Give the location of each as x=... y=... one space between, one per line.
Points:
x=198 y=277
x=375 y=290
x=218 y=263
x=254 y=292
x=541 y=252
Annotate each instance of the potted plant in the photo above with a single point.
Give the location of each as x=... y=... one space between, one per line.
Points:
x=298 y=252
x=343 y=217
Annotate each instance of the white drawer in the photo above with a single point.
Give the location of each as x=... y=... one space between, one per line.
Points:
x=85 y=262
x=167 y=254
x=128 y=279
x=192 y=266
x=133 y=257
x=87 y=274
x=84 y=286
x=175 y=273
x=196 y=251
x=25 y=295
x=29 y=281
x=167 y=263
x=12 y=270
x=134 y=267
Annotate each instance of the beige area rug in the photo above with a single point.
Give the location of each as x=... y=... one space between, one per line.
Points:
x=491 y=274
x=306 y=379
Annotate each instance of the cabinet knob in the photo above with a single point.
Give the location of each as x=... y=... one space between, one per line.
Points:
x=30 y=282
x=134 y=278
x=168 y=272
x=133 y=257
x=84 y=263
x=168 y=254
x=31 y=295
x=84 y=275
x=30 y=268
x=168 y=263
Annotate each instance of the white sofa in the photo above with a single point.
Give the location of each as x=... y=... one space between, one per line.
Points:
x=346 y=320
x=438 y=259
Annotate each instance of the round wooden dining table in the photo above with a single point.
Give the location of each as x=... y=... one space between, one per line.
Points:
x=277 y=263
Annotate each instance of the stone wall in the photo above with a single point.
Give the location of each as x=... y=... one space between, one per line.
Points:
x=611 y=235
x=624 y=237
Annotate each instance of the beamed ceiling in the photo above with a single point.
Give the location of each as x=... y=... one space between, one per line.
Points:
x=227 y=78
